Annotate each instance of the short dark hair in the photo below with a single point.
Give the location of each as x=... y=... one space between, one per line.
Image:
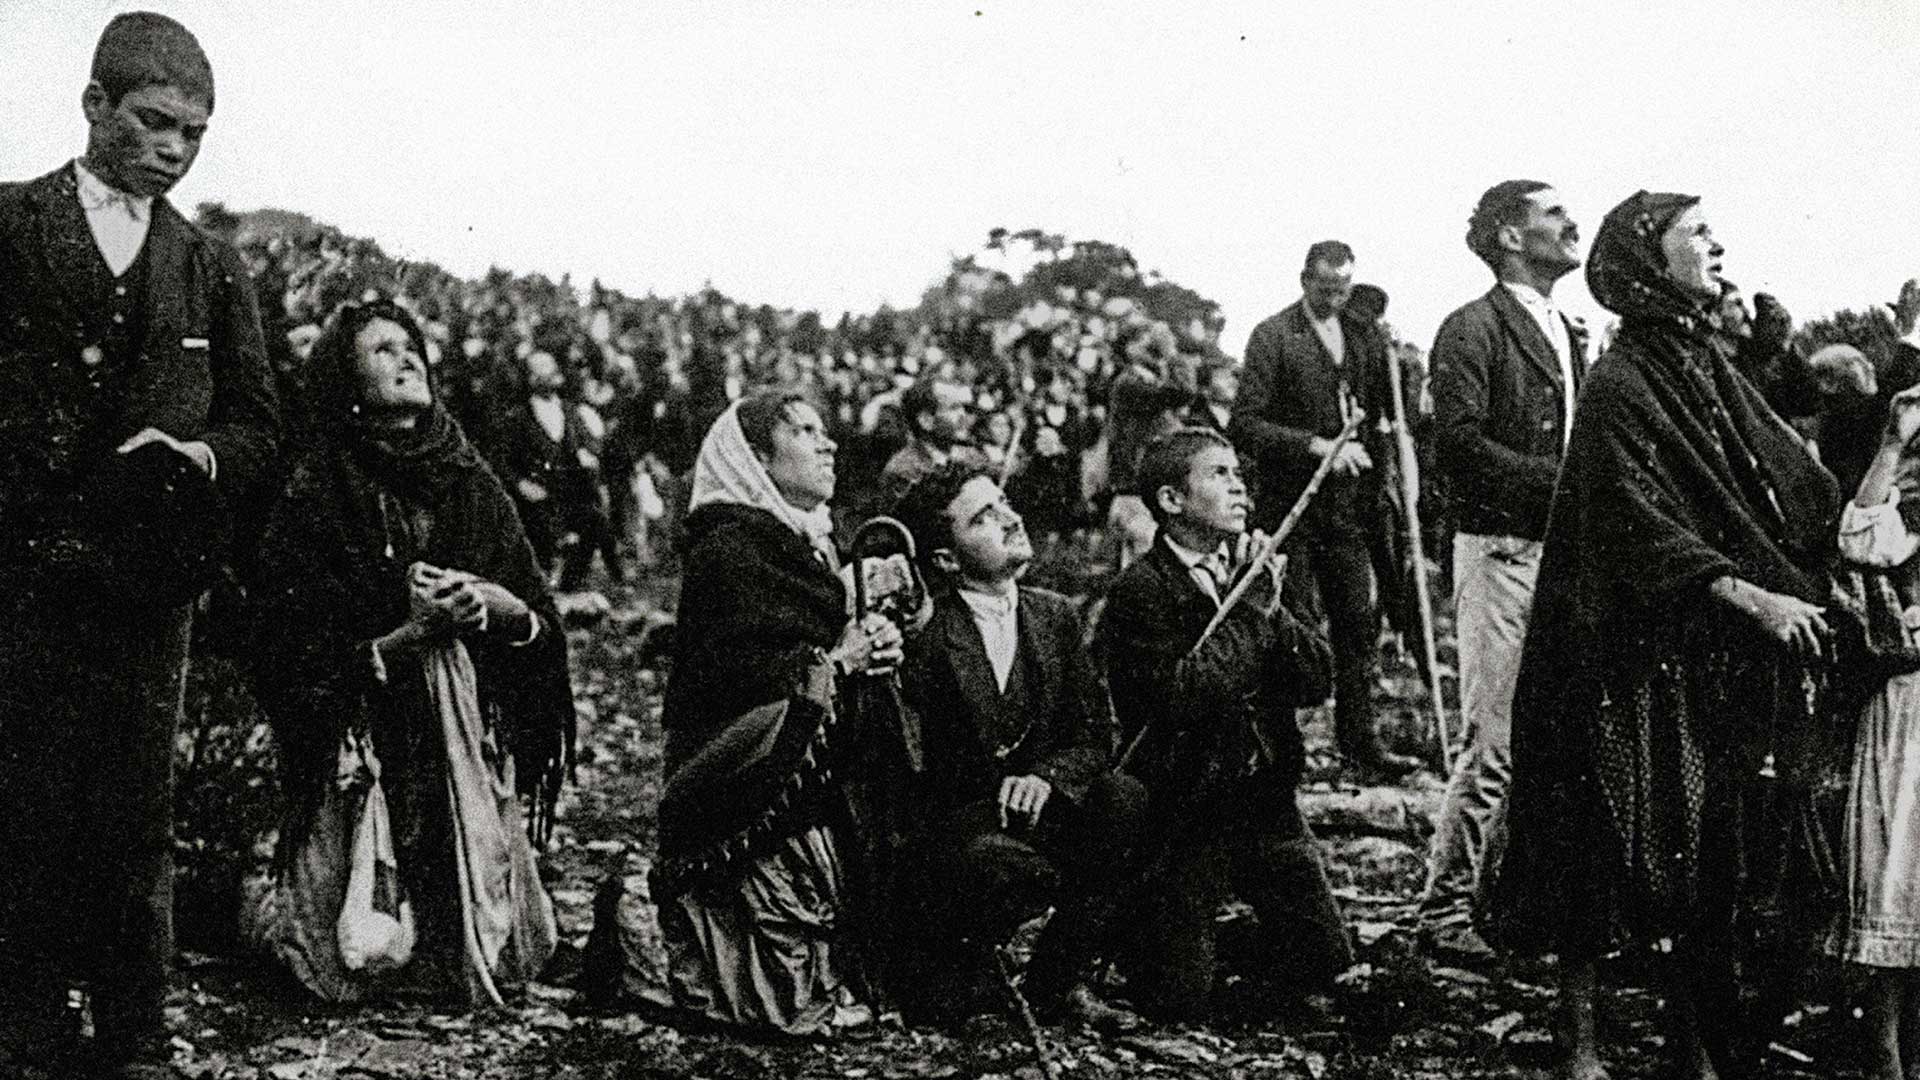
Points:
x=1166 y=461
x=762 y=410
x=1331 y=252
x=923 y=507
x=1368 y=303
x=141 y=48
x=1503 y=204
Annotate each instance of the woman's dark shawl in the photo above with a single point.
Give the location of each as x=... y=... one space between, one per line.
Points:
x=757 y=608
x=1676 y=473
x=357 y=511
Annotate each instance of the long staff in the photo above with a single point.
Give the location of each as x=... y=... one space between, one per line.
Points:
x=1410 y=498
x=1240 y=587
x=1022 y=402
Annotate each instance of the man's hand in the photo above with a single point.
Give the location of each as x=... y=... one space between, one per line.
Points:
x=1353 y=459
x=195 y=450
x=1023 y=797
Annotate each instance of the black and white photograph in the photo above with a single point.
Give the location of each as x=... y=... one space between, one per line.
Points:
x=959 y=541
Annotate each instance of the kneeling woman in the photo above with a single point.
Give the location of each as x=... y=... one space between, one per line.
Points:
x=753 y=882
x=406 y=631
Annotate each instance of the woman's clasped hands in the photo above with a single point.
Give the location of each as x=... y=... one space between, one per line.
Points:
x=869 y=646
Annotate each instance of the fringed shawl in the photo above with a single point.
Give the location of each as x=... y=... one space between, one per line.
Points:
x=748 y=720
x=1638 y=693
x=332 y=575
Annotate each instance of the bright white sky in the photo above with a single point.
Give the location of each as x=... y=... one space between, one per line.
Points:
x=836 y=155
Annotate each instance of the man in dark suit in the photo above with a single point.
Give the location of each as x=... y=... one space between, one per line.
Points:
x=1019 y=809
x=1506 y=368
x=1309 y=369
x=136 y=411
x=938 y=413
x=1219 y=387
x=1211 y=731
x=548 y=455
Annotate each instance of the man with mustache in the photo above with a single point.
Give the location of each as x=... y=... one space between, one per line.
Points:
x=1018 y=809
x=136 y=413
x=1506 y=368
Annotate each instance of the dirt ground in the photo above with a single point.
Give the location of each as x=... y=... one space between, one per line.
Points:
x=1396 y=1015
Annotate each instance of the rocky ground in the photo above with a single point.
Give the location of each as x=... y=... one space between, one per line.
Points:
x=1398 y=1016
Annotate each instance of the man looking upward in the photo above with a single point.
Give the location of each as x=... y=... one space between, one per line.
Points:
x=1505 y=370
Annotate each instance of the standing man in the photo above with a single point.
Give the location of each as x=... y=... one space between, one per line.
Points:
x=1506 y=368
x=1308 y=370
x=938 y=418
x=1219 y=386
x=136 y=412
x=547 y=451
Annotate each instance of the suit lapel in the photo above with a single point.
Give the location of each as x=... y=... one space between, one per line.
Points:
x=1035 y=635
x=72 y=258
x=1303 y=327
x=966 y=654
x=169 y=277
x=1192 y=596
x=1521 y=327
x=1576 y=350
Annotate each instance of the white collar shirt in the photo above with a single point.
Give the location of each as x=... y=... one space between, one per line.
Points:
x=1330 y=335
x=1207 y=570
x=117 y=220
x=1551 y=324
x=551 y=414
x=997 y=615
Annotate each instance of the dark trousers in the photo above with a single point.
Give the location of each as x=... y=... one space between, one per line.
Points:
x=1339 y=561
x=1258 y=847
x=981 y=882
x=88 y=710
x=574 y=508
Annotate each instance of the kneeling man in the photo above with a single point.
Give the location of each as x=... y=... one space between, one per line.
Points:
x=1020 y=810
x=1213 y=735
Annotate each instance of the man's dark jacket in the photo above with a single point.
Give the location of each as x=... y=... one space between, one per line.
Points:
x=1290 y=395
x=1213 y=717
x=974 y=735
x=196 y=370
x=1500 y=414
x=92 y=664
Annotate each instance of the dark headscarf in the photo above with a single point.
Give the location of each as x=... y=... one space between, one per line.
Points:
x=1627 y=269
x=362 y=504
x=415 y=462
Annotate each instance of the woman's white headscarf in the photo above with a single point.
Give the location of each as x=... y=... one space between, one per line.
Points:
x=728 y=472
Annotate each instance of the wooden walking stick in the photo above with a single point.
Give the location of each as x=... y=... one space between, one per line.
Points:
x=1022 y=404
x=1410 y=498
x=1240 y=587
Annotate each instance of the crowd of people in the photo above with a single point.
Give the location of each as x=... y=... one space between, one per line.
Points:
x=1682 y=561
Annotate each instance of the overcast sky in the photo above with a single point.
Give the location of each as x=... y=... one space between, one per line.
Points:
x=836 y=155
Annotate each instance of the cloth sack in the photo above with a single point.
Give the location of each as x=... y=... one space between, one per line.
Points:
x=507 y=930
x=375 y=930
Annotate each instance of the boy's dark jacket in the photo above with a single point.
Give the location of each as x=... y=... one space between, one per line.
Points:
x=1222 y=714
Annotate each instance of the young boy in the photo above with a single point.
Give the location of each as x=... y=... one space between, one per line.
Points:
x=1217 y=746
x=1019 y=810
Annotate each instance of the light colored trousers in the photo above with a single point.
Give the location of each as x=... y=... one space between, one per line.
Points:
x=1492 y=597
